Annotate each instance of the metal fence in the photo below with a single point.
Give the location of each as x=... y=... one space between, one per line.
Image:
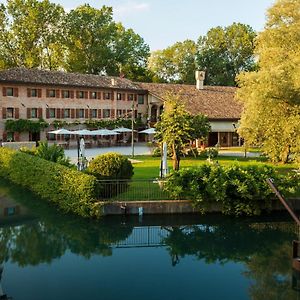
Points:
x=132 y=190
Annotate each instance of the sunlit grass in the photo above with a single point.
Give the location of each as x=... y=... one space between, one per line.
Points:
x=148 y=167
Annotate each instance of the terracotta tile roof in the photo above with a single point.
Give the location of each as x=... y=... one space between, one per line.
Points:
x=59 y=78
x=217 y=102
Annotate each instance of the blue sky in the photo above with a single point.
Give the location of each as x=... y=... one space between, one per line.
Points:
x=163 y=22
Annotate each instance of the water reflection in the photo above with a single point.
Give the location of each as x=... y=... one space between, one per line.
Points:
x=262 y=246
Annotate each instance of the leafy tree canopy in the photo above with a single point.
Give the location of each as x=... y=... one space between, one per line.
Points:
x=174 y=64
x=31 y=34
x=271 y=95
x=40 y=34
x=225 y=52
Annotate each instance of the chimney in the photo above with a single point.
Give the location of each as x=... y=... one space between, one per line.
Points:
x=113 y=82
x=199 y=75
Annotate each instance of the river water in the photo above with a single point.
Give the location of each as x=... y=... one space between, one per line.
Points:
x=46 y=255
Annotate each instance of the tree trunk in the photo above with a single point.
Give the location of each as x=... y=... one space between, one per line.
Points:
x=286 y=154
x=176 y=158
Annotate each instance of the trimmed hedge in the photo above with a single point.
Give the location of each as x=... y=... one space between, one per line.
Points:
x=238 y=190
x=70 y=190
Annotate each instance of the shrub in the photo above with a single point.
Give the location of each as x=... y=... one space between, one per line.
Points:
x=193 y=152
x=111 y=166
x=156 y=152
x=69 y=189
x=211 y=152
x=238 y=190
x=52 y=153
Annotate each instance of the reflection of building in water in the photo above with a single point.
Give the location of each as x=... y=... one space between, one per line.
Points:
x=11 y=211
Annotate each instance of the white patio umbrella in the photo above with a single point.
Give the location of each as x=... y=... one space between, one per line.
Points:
x=104 y=132
x=148 y=131
x=164 y=162
x=82 y=132
x=122 y=129
x=61 y=131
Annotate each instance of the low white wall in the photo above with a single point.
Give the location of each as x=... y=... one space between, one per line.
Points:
x=18 y=145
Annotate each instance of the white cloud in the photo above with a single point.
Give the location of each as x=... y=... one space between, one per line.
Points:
x=130 y=8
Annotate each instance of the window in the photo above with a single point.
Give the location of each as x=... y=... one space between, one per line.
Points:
x=66 y=113
x=106 y=113
x=51 y=93
x=81 y=94
x=81 y=113
x=130 y=97
x=139 y=116
x=107 y=96
x=141 y=99
x=94 y=113
x=93 y=95
x=52 y=112
x=33 y=93
x=119 y=96
x=9 y=91
x=9 y=112
x=119 y=113
x=66 y=94
x=34 y=113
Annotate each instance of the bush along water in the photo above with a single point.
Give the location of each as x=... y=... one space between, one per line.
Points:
x=113 y=169
x=71 y=190
x=236 y=190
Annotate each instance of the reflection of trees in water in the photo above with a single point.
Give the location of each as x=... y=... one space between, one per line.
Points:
x=234 y=241
x=272 y=274
x=42 y=241
x=38 y=242
x=264 y=250
x=263 y=247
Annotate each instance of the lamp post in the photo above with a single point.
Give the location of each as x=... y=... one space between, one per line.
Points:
x=132 y=130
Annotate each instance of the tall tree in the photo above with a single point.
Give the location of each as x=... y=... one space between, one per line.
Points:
x=96 y=44
x=225 y=52
x=271 y=95
x=90 y=39
x=177 y=127
x=31 y=34
x=175 y=63
x=130 y=55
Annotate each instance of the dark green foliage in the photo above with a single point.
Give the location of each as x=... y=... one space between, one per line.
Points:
x=111 y=166
x=237 y=190
x=70 y=190
x=111 y=124
x=23 y=125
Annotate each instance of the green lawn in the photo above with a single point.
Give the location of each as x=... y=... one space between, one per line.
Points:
x=149 y=166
